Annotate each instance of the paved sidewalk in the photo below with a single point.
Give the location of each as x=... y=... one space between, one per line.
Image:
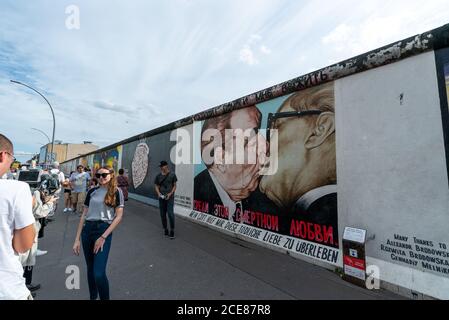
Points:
x=199 y=264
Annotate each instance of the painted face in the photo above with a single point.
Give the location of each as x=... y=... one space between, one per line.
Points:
x=287 y=184
x=239 y=180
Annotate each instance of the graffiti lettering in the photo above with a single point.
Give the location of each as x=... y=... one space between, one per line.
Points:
x=221 y=211
x=231 y=226
x=220 y=223
x=250 y=232
x=258 y=219
x=316 y=251
x=211 y=220
x=193 y=214
x=273 y=238
x=312 y=231
x=201 y=206
x=264 y=95
x=289 y=243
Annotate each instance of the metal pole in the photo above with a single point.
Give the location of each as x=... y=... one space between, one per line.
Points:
x=43 y=134
x=44 y=144
x=52 y=112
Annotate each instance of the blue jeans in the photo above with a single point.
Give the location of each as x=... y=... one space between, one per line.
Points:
x=96 y=263
x=166 y=208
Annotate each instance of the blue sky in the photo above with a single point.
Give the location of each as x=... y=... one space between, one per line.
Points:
x=136 y=65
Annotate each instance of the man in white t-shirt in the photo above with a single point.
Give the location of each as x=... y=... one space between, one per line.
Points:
x=79 y=181
x=16 y=228
x=55 y=170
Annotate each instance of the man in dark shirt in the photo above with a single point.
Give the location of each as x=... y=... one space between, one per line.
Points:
x=165 y=186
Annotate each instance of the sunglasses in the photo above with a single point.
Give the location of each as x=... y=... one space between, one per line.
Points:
x=272 y=117
x=102 y=175
x=12 y=156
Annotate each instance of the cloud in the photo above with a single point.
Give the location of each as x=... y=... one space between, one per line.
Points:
x=149 y=63
x=247 y=56
x=112 y=107
x=254 y=38
x=249 y=53
x=338 y=37
x=265 y=50
x=382 y=24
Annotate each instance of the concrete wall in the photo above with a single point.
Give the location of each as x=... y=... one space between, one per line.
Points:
x=392 y=168
x=387 y=136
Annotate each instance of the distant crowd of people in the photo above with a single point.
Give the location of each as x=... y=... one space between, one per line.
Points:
x=25 y=210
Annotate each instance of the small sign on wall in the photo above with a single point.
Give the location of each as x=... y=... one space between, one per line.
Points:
x=354 y=260
x=354 y=234
x=353 y=253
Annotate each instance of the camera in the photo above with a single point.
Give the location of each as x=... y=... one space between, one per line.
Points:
x=32 y=177
x=38 y=180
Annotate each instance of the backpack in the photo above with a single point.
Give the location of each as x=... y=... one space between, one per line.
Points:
x=49 y=182
x=55 y=176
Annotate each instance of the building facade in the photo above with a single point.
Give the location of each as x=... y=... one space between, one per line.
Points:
x=64 y=151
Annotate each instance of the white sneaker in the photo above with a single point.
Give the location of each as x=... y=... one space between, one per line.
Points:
x=40 y=252
x=65 y=210
x=69 y=209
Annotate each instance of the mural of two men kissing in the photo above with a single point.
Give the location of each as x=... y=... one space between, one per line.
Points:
x=300 y=198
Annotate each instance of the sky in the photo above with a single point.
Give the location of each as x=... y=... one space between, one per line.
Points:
x=133 y=66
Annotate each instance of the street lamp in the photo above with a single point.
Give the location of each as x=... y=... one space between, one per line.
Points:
x=43 y=134
x=46 y=155
x=53 y=114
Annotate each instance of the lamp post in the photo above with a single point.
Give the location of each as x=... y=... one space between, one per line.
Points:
x=52 y=112
x=44 y=143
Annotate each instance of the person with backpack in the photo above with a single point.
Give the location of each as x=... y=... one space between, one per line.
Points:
x=57 y=173
x=49 y=185
x=51 y=182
